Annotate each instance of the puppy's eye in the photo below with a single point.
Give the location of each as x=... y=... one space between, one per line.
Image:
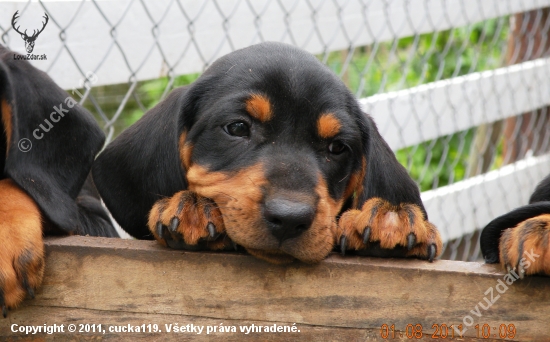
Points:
x=238 y=129
x=336 y=147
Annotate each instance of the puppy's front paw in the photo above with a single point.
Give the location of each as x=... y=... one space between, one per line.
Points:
x=382 y=229
x=22 y=248
x=188 y=221
x=524 y=247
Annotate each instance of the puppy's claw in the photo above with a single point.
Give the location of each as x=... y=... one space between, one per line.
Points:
x=160 y=229
x=175 y=241
x=343 y=245
x=431 y=252
x=521 y=271
x=29 y=290
x=211 y=229
x=235 y=246
x=366 y=235
x=411 y=241
x=174 y=223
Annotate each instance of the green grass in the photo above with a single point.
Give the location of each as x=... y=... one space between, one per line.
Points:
x=412 y=61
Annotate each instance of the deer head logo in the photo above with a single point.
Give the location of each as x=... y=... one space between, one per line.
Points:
x=29 y=40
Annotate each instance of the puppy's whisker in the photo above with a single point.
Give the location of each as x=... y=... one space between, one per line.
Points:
x=223 y=193
x=251 y=181
x=341 y=180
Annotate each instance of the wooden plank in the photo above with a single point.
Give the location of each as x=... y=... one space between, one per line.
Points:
x=120 y=282
x=198 y=32
x=463 y=207
x=412 y=116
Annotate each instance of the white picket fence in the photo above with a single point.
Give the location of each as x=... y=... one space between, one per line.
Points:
x=121 y=41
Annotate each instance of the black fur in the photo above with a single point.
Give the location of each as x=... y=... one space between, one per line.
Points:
x=55 y=169
x=143 y=166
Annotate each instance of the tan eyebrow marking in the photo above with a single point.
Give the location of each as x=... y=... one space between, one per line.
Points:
x=259 y=107
x=328 y=125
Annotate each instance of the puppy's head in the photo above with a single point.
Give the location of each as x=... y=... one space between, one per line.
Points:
x=277 y=141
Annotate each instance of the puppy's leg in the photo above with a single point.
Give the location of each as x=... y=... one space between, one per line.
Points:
x=379 y=224
x=524 y=248
x=188 y=221
x=22 y=250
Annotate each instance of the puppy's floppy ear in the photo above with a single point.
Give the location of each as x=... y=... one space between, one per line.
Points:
x=142 y=165
x=384 y=177
x=62 y=139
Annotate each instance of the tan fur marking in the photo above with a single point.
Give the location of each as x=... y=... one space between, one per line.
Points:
x=22 y=249
x=186 y=150
x=239 y=196
x=355 y=185
x=534 y=233
x=154 y=217
x=6 y=121
x=259 y=107
x=194 y=213
x=390 y=226
x=328 y=126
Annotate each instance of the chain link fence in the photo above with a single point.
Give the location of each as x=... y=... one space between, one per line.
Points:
x=459 y=88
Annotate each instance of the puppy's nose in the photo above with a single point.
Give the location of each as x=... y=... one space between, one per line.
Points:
x=288 y=219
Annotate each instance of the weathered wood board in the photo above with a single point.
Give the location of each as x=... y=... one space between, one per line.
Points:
x=128 y=283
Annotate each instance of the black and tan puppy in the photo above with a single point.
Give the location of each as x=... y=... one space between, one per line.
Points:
x=520 y=239
x=47 y=148
x=269 y=150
